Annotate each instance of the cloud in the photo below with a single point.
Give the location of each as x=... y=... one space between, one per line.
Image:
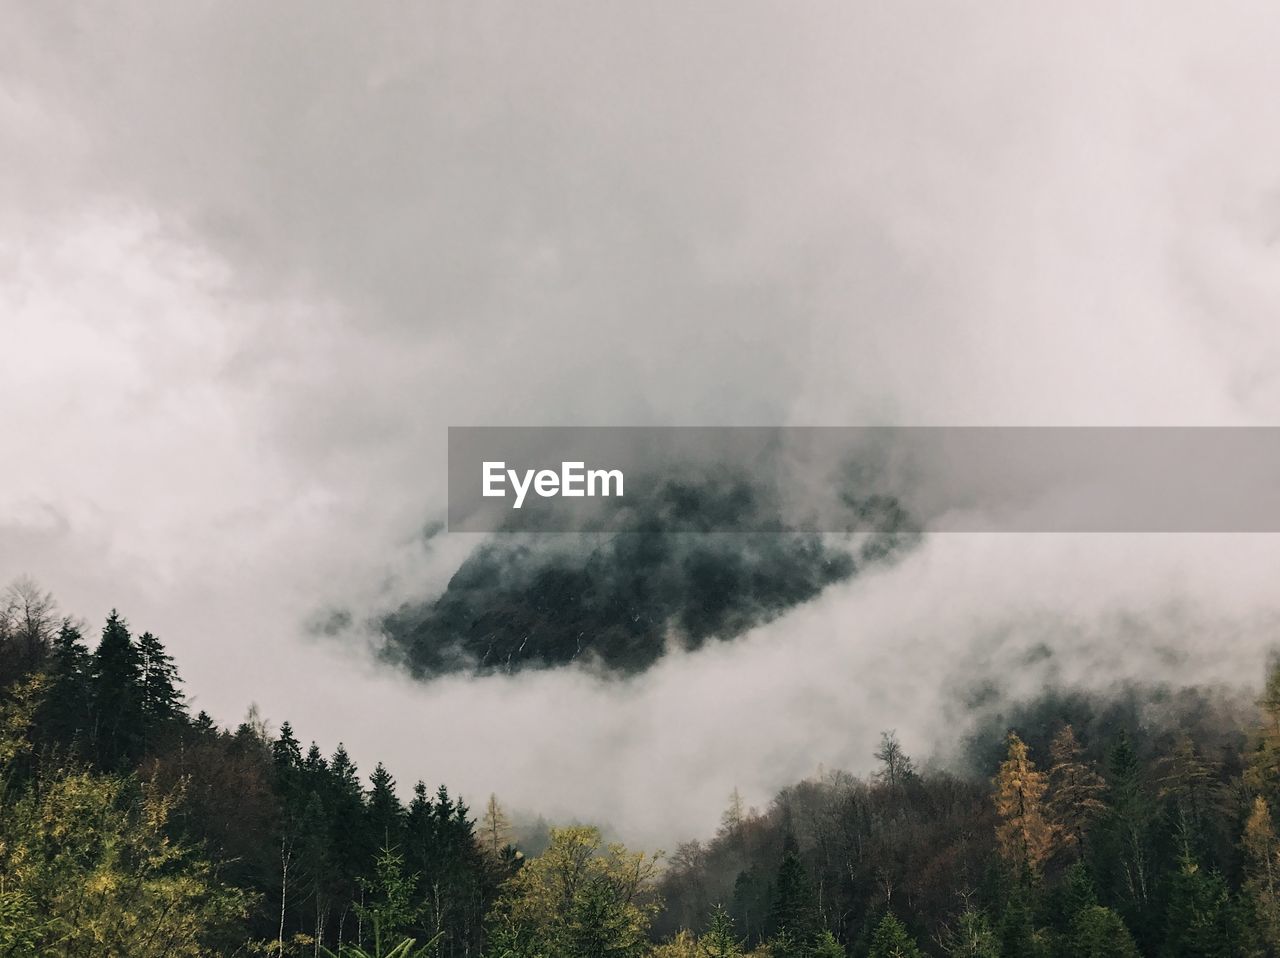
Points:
x=256 y=258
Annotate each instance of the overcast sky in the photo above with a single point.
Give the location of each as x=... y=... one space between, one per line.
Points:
x=254 y=258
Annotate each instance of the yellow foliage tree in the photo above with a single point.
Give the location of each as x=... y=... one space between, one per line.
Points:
x=86 y=868
x=1262 y=868
x=578 y=898
x=1025 y=834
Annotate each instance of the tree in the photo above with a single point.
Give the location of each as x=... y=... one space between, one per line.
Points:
x=385 y=814
x=65 y=716
x=1262 y=870
x=390 y=911
x=1075 y=789
x=1025 y=835
x=719 y=941
x=896 y=766
x=161 y=703
x=576 y=900
x=117 y=695
x=1126 y=841
x=89 y=870
x=795 y=905
x=892 y=941
x=1201 y=920
x=1098 y=932
x=28 y=621
x=971 y=937
x=495 y=829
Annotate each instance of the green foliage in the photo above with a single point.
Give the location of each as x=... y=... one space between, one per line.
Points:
x=971 y=937
x=1098 y=932
x=719 y=941
x=576 y=900
x=892 y=941
x=88 y=869
x=402 y=948
x=795 y=904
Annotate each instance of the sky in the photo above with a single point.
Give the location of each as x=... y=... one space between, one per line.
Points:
x=255 y=258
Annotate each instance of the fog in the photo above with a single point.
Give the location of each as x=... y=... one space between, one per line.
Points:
x=254 y=260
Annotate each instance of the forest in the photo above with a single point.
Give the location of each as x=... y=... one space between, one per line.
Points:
x=1135 y=822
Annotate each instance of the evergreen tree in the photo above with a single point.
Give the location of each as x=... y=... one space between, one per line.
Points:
x=719 y=941
x=795 y=907
x=1202 y=921
x=162 y=705
x=117 y=696
x=971 y=937
x=385 y=814
x=1098 y=932
x=892 y=941
x=1126 y=841
x=65 y=717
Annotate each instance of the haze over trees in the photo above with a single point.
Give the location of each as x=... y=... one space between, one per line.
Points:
x=1140 y=823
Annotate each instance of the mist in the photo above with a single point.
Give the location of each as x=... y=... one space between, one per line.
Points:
x=254 y=262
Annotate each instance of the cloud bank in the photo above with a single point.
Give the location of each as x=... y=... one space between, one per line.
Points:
x=253 y=260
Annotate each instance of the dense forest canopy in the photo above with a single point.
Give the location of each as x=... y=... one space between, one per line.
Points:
x=1079 y=825
x=613 y=597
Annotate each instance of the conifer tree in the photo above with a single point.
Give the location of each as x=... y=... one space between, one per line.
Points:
x=795 y=908
x=117 y=695
x=1025 y=834
x=161 y=703
x=1126 y=841
x=65 y=716
x=971 y=937
x=1262 y=870
x=1202 y=920
x=719 y=941
x=891 y=940
x=385 y=814
x=495 y=829
x=1075 y=789
x=1098 y=932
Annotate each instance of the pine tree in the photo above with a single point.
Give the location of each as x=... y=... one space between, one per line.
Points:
x=971 y=937
x=892 y=941
x=385 y=814
x=162 y=704
x=117 y=695
x=1202 y=920
x=795 y=907
x=1126 y=841
x=65 y=716
x=826 y=946
x=1025 y=835
x=720 y=940
x=1098 y=932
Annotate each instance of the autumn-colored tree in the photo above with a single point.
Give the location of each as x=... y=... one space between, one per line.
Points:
x=1025 y=834
x=495 y=829
x=1075 y=790
x=1262 y=868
